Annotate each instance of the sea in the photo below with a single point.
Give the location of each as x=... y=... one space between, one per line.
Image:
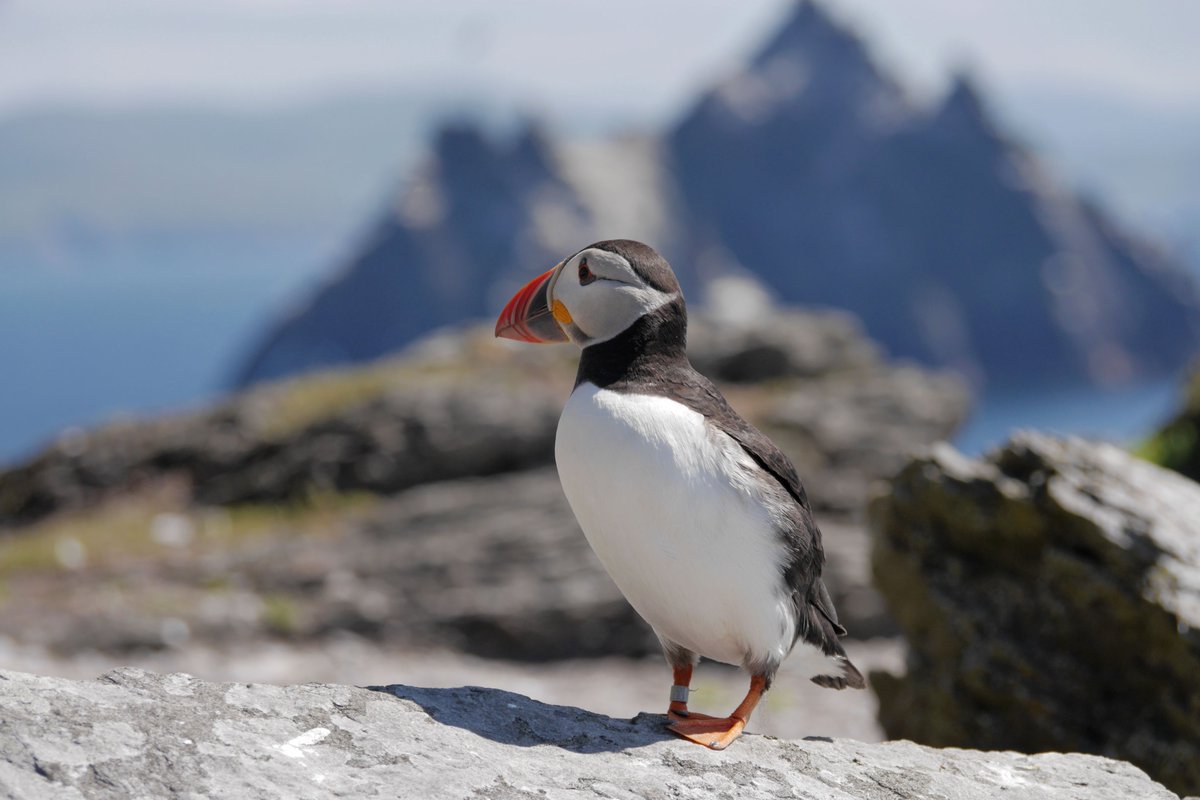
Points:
x=161 y=327
x=151 y=328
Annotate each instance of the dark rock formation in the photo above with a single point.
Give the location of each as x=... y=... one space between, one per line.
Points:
x=1051 y=599
x=814 y=172
x=383 y=443
x=494 y=567
x=138 y=734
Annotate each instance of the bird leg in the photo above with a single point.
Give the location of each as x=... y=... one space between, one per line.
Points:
x=718 y=733
x=678 y=710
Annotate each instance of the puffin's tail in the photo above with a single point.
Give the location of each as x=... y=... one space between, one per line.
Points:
x=850 y=677
x=824 y=630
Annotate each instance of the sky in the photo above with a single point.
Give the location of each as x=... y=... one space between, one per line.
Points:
x=630 y=59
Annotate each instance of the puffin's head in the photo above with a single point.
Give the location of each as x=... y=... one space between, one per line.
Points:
x=592 y=296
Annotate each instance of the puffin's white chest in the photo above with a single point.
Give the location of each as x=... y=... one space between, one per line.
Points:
x=671 y=508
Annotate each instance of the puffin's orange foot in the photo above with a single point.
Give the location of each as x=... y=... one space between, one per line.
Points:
x=680 y=716
x=713 y=732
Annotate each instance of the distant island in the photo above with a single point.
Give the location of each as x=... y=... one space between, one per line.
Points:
x=809 y=170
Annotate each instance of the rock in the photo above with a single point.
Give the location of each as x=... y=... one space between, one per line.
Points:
x=1051 y=598
x=138 y=734
x=381 y=429
x=616 y=686
x=494 y=567
x=739 y=349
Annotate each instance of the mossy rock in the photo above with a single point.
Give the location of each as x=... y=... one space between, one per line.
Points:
x=1051 y=597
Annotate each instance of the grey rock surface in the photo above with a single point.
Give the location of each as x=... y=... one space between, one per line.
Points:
x=135 y=734
x=1051 y=598
x=493 y=567
x=617 y=686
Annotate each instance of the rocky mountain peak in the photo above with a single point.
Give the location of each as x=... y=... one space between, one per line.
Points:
x=534 y=145
x=963 y=112
x=811 y=65
x=809 y=33
x=478 y=193
x=468 y=158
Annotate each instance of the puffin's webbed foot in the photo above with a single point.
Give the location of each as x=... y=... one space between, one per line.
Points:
x=716 y=732
x=712 y=732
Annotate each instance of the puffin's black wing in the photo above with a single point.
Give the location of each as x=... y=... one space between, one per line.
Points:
x=817 y=621
x=803 y=536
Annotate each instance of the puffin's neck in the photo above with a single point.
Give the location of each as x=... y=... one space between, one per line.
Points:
x=657 y=341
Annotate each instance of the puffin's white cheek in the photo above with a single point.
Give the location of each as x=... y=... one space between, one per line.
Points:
x=603 y=320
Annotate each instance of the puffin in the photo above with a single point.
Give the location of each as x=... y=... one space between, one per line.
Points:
x=698 y=517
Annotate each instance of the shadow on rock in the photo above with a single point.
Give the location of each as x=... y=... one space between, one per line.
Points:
x=514 y=719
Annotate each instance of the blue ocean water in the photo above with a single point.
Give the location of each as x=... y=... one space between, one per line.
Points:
x=146 y=329
x=157 y=328
x=1122 y=415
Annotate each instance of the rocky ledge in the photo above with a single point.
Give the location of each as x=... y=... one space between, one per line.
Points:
x=139 y=734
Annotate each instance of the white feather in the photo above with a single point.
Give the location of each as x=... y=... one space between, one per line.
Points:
x=670 y=506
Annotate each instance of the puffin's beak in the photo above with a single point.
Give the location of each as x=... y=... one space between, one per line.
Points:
x=527 y=317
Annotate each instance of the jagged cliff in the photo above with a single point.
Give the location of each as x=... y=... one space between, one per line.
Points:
x=809 y=169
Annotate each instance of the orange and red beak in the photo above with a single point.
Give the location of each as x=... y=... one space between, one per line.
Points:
x=528 y=316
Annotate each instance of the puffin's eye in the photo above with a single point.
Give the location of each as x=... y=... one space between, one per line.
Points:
x=586 y=275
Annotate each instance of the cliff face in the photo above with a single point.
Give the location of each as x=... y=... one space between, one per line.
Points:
x=138 y=734
x=809 y=169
